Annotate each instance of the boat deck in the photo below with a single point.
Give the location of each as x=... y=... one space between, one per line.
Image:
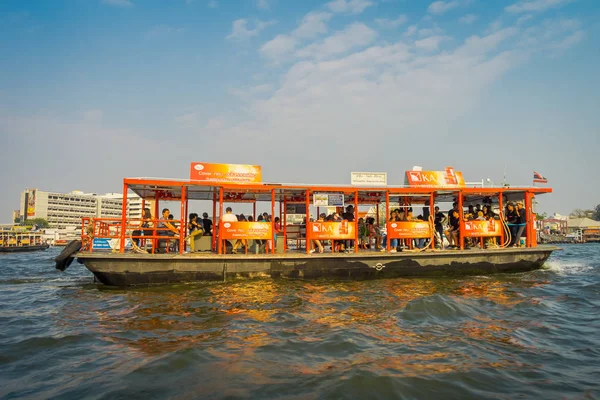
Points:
x=98 y=254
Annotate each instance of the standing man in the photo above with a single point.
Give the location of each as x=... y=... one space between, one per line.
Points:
x=522 y=221
x=439 y=220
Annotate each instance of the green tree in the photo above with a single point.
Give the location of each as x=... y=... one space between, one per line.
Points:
x=17 y=220
x=580 y=213
x=540 y=217
x=41 y=222
x=596 y=215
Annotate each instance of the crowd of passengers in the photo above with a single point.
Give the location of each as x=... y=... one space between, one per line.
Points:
x=371 y=235
x=446 y=227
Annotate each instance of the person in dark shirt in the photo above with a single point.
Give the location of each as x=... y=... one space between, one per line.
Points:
x=512 y=220
x=207 y=222
x=522 y=222
x=439 y=219
x=454 y=228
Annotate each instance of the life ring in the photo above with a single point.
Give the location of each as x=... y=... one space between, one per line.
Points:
x=65 y=258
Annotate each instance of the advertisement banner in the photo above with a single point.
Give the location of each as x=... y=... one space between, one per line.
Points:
x=31 y=202
x=483 y=228
x=436 y=179
x=328 y=199
x=246 y=230
x=225 y=173
x=110 y=244
x=320 y=199
x=295 y=208
x=368 y=178
x=409 y=230
x=332 y=230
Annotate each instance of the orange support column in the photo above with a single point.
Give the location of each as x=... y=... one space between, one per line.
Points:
x=307 y=230
x=356 y=222
x=154 y=224
x=183 y=225
x=220 y=247
x=461 y=222
x=124 y=217
x=284 y=224
x=214 y=224
x=272 y=220
x=387 y=212
x=529 y=223
x=501 y=205
x=431 y=219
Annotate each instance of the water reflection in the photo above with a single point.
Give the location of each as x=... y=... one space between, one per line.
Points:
x=270 y=330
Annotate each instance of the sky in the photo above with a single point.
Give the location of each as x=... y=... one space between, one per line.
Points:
x=92 y=91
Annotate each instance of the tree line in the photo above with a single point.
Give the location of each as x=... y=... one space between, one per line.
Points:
x=581 y=213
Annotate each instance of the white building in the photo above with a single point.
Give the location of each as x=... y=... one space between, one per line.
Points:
x=63 y=210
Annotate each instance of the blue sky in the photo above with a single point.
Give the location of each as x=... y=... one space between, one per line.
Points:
x=92 y=91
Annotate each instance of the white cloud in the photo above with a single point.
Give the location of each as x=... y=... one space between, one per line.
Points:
x=263 y=4
x=354 y=35
x=440 y=7
x=391 y=23
x=568 y=41
x=118 y=3
x=212 y=4
x=162 y=30
x=411 y=30
x=241 y=31
x=278 y=47
x=349 y=6
x=535 y=5
x=468 y=19
x=430 y=44
x=312 y=25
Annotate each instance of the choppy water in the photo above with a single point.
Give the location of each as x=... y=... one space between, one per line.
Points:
x=532 y=335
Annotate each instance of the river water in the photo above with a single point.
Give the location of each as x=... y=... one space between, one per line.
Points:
x=529 y=335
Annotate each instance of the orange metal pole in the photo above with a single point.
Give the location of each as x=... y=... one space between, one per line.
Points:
x=528 y=226
x=432 y=216
x=356 y=221
x=284 y=222
x=307 y=225
x=154 y=224
x=124 y=217
x=220 y=248
x=387 y=212
x=272 y=220
x=461 y=223
x=501 y=206
x=214 y=226
x=183 y=225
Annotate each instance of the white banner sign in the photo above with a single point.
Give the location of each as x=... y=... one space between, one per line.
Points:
x=369 y=178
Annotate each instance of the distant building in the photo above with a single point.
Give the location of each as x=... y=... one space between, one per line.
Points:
x=63 y=210
x=16 y=215
x=586 y=228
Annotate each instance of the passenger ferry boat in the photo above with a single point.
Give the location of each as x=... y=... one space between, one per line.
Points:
x=18 y=241
x=130 y=251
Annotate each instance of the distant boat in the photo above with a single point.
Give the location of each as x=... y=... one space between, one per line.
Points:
x=15 y=241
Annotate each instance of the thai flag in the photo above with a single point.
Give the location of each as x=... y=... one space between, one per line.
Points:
x=538 y=178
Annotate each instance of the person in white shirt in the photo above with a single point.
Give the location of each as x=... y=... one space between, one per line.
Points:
x=230 y=217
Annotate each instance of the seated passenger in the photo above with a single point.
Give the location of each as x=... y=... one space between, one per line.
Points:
x=195 y=228
x=317 y=242
x=166 y=228
x=453 y=230
x=207 y=222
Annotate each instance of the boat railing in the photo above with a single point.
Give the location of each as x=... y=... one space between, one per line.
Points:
x=141 y=235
